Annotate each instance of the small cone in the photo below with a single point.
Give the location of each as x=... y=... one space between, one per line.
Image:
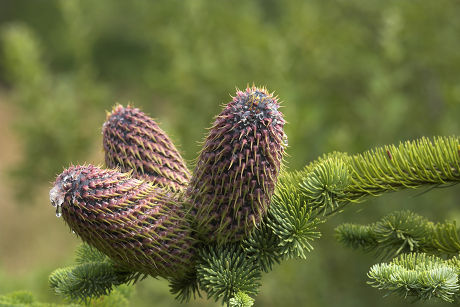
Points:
x=139 y=226
x=237 y=169
x=133 y=141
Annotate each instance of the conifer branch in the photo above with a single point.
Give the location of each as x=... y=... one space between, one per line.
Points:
x=334 y=180
x=224 y=271
x=293 y=223
x=325 y=182
x=185 y=288
x=402 y=232
x=418 y=271
x=445 y=238
x=241 y=299
x=417 y=275
x=408 y=165
x=263 y=246
x=93 y=276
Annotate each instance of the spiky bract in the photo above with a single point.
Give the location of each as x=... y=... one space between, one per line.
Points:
x=237 y=169
x=134 y=141
x=138 y=225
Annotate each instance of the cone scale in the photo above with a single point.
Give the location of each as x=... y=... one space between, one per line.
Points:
x=138 y=225
x=134 y=141
x=237 y=169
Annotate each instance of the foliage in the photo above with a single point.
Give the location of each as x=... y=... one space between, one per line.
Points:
x=417 y=275
x=119 y=298
x=354 y=73
x=415 y=246
x=230 y=272
x=93 y=276
x=45 y=100
x=225 y=271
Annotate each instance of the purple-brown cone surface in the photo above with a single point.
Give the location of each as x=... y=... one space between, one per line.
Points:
x=237 y=169
x=134 y=141
x=136 y=224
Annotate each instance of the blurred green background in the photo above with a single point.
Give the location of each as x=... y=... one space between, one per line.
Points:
x=351 y=74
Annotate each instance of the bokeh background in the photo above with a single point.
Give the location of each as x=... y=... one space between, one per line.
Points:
x=351 y=74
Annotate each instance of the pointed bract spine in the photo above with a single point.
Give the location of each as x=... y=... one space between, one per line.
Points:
x=138 y=225
x=133 y=141
x=237 y=169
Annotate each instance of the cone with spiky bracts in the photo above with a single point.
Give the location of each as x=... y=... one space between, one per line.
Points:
x=138 y=225
x=134 y=141
x=237 y=169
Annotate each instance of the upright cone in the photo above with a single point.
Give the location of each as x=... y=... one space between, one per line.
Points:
x=138 y=225
x=237 y=169
x=133 y=141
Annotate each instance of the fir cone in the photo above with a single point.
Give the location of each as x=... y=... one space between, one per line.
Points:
x=237 y=169
x=133 y=141
x=138 y=225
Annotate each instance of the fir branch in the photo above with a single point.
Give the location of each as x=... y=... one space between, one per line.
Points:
x=223 y=271
x=328 y=184
x=293 y=222
x=324 y=185
x=86 y=253
x=241 y=299
x=445 y=238
x=263 y=246
x=408 y=165
x=416 y=275
x=185 y=287
x=94 y=276
x=83 y=282
x=356 y=236
x=402 y=232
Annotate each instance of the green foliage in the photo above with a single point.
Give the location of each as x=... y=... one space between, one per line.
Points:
x=336 y=179
x=120 y=296
x=396 y=233
x=49 y=102
x=365 y=73
x=185 y=287
x=408 y=165
x=19 y=297
x=86 y=254
x=302 y=201
x=445 y=238
x=402 y=232
x=25 y=299
x=293 y=223
x=93 y=276
x=418 y=271
x=417 y=275
x=84 y=281
x=263 y=246
x=324 y=186
x=225 y=271
x=241 y=299
x=356 y=236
